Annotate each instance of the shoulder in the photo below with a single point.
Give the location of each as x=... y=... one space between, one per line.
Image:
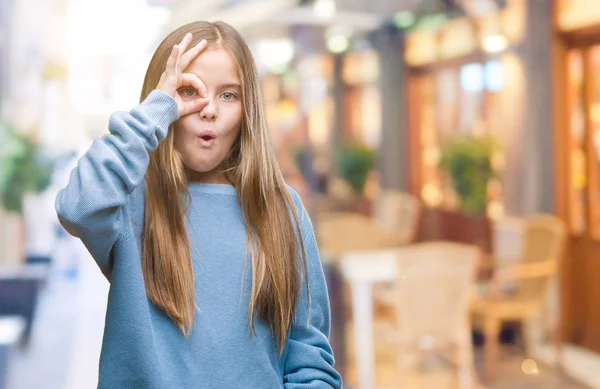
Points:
x=295 y=197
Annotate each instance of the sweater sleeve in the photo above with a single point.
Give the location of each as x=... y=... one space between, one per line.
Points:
x=93 y=203
x=310 y=360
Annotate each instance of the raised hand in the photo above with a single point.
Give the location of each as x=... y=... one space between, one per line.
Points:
x=173 y=78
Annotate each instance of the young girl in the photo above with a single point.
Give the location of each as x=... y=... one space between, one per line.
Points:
x=215 y=274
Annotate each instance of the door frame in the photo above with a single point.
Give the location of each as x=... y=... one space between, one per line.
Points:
x=582 y=248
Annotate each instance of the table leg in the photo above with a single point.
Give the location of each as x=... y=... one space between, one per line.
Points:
x=362 y=312
x=491 y=346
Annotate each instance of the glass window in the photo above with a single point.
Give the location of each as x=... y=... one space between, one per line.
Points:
x=494 y=76
x=454 y=101
x=594 y=140
x=578 y=157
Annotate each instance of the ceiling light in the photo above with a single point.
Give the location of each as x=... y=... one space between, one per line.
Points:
x=324 y=9
x=495 y=43
x=337 y=44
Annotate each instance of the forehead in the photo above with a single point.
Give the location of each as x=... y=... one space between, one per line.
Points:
x=215 y=66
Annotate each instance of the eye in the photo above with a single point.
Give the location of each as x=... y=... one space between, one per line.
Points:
x=188 y=92
x=228 y=96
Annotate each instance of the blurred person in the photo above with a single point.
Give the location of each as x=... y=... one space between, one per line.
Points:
x=68 y=250
x=215 y=274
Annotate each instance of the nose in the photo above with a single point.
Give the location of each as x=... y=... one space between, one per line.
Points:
x=209 y=112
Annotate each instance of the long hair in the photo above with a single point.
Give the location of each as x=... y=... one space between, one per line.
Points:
x=273 y=232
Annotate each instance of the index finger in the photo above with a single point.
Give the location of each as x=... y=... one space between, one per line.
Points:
x=196 y=82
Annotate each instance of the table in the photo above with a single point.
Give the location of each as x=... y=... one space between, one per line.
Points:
x=362 y=269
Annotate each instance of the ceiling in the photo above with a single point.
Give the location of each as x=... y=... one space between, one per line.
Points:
x=270 y=19
x=359 y=14
x=277 y=15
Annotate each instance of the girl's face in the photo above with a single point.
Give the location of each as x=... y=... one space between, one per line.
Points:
x=204 y=139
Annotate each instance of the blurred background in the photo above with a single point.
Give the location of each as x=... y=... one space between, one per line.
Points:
x=448 y=152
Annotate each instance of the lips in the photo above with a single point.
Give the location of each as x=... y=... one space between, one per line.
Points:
x=207 y=137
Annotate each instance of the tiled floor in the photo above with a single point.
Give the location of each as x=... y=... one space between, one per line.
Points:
x=510 y=376
x=442 y=376
x=579 y=362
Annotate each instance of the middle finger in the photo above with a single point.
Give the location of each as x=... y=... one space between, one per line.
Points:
x=191 y=54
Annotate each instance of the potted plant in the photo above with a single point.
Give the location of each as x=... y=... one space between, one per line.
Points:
x=355 y=162
x=468 y=163
x=25 y=170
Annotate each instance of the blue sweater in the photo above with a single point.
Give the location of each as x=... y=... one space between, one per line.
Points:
x=142 y=348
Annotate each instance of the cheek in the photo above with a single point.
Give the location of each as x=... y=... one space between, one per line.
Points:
x=180 y=139
x=183 y=129
x=234 y=120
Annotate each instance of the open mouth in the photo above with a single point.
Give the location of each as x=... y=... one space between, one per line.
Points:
x=207 y=137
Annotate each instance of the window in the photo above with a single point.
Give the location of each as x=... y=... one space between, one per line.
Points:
x=455 y=101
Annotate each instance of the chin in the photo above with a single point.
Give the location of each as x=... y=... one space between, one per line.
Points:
x=202 y=168
x=201 y=162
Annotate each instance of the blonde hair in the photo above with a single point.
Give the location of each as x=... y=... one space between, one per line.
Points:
x=272 y=235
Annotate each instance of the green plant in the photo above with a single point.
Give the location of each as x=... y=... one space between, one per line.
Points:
x=25 y=169
x=354 y=164
x=468 y=162
x=9 y=146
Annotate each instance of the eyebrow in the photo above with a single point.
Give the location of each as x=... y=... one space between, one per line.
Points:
x=230 y=86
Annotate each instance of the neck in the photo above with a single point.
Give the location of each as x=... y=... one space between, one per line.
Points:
x=212 y=177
